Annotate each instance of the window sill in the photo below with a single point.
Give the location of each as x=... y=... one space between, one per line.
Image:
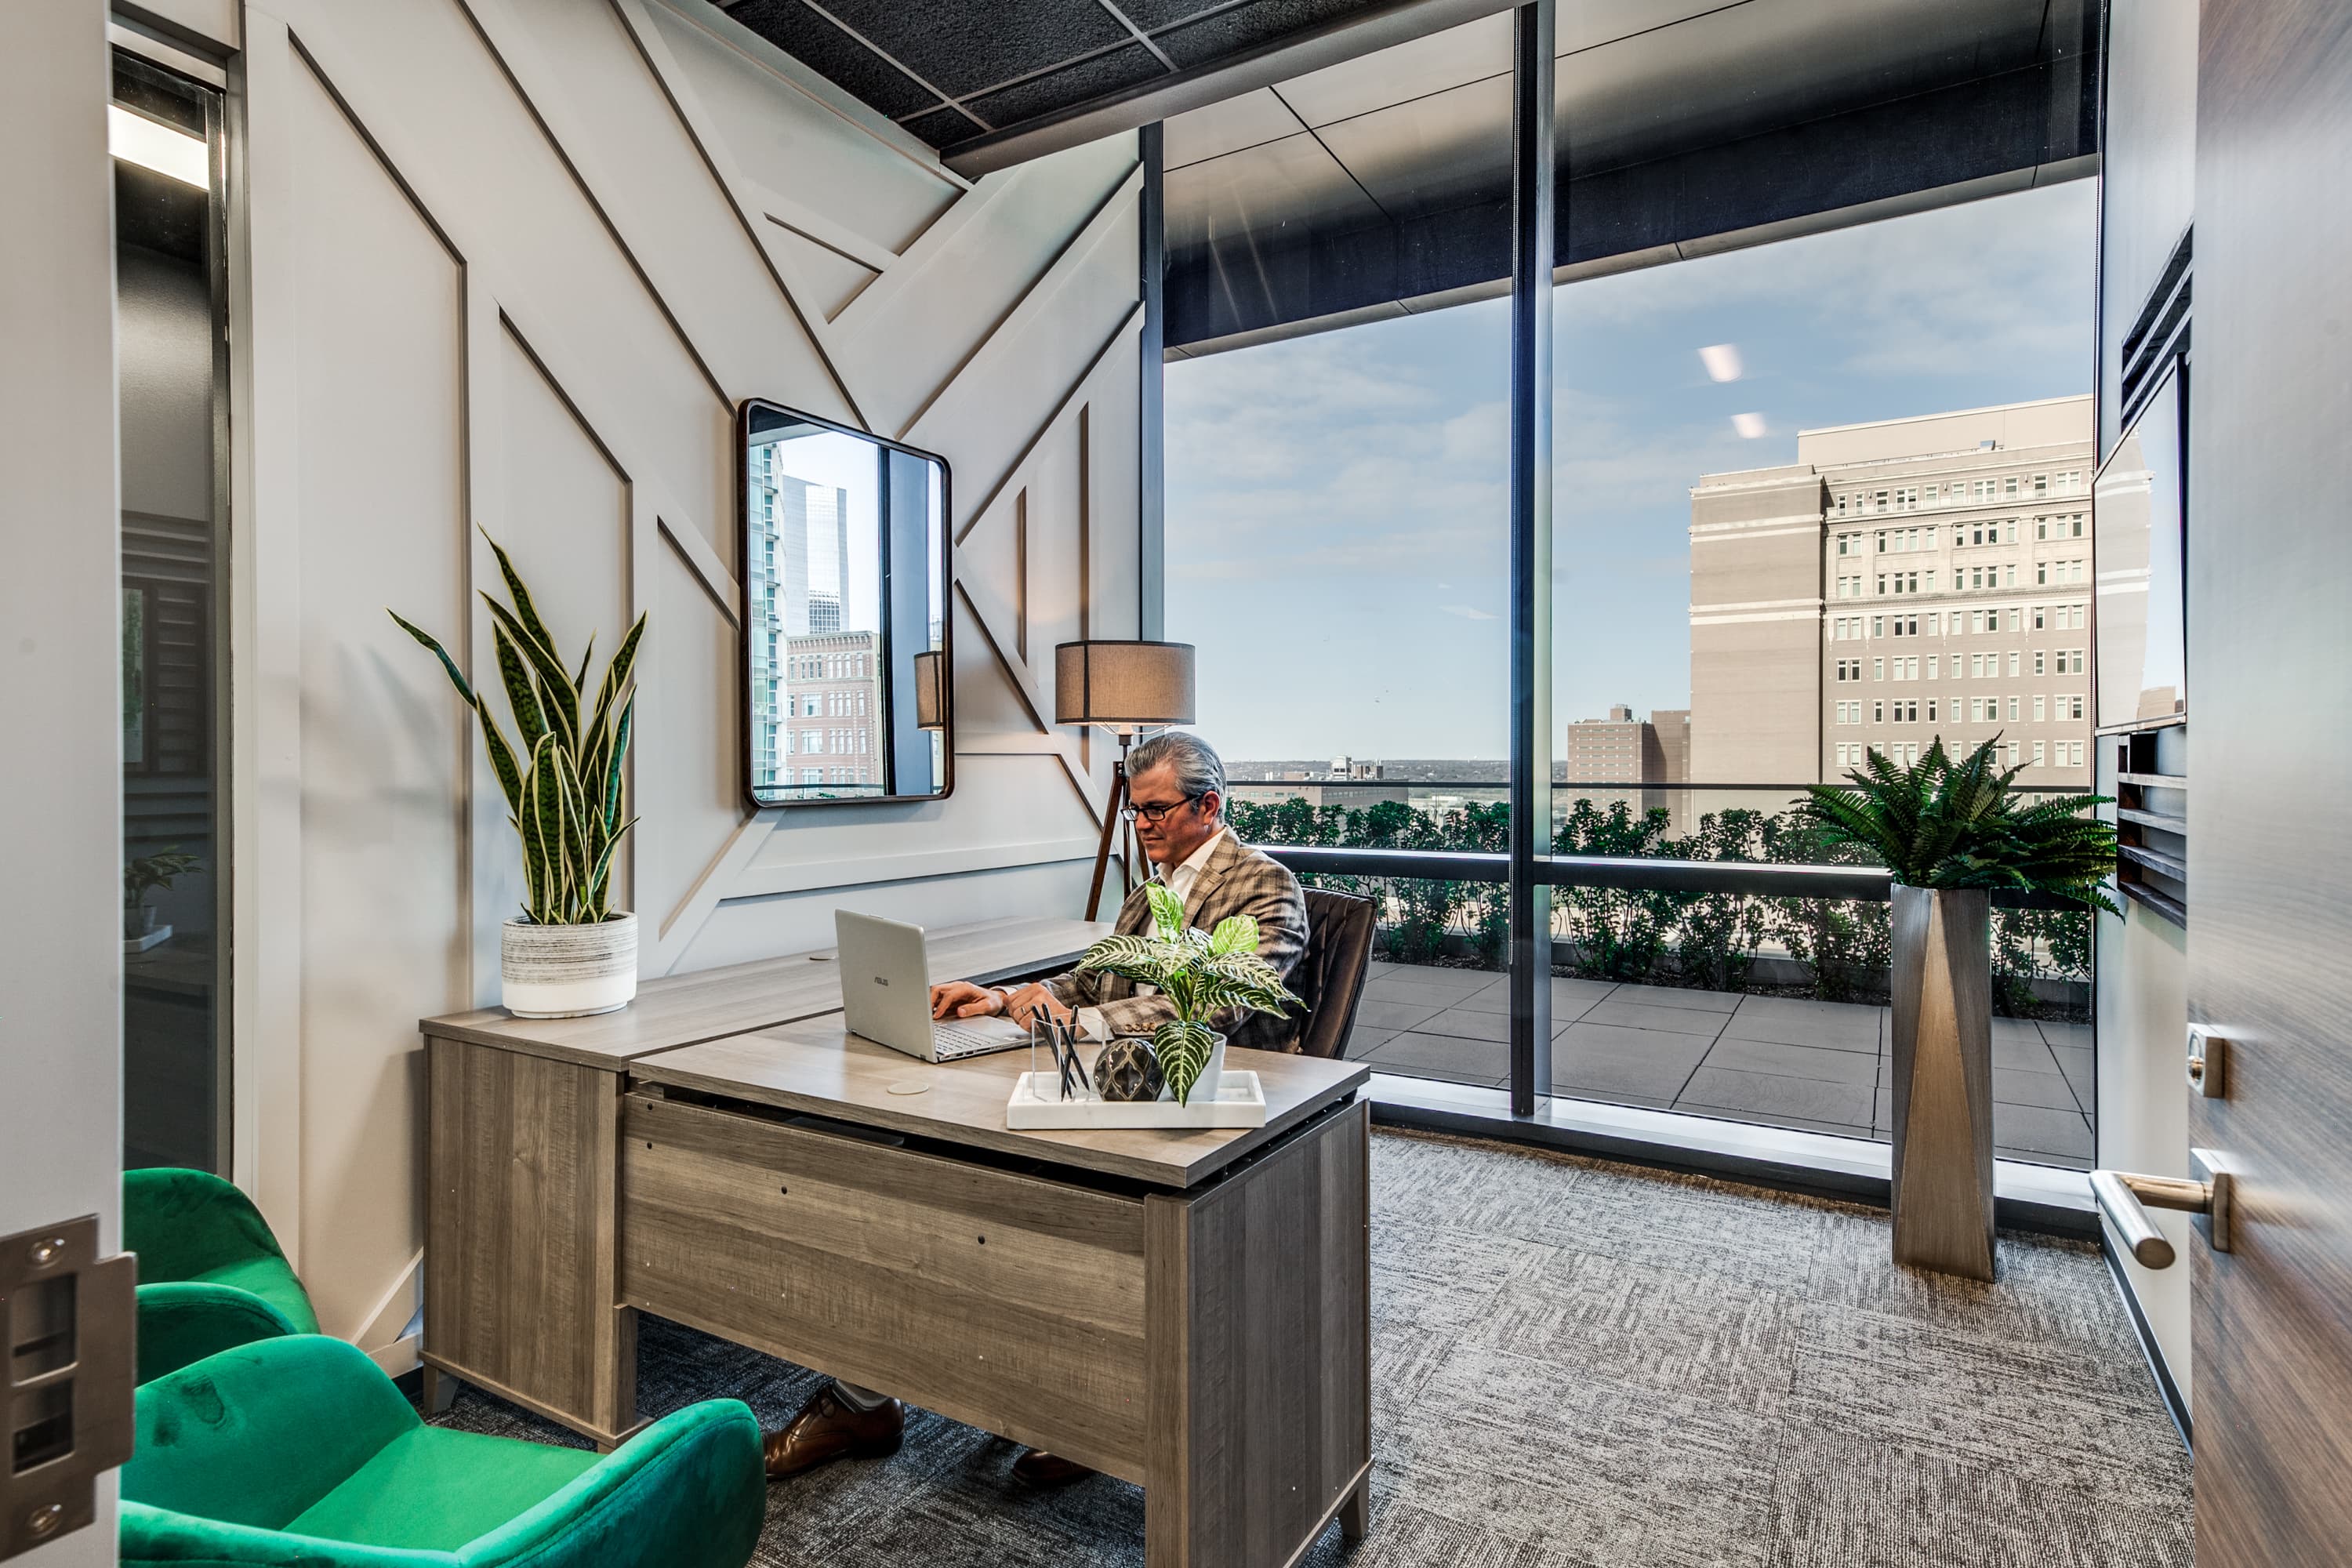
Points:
x=1855 y=1170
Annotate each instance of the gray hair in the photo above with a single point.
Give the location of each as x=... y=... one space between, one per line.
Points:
x=1199 y=769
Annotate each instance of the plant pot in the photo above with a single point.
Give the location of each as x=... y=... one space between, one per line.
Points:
x=1942 y=995
x=137 y=919
x=1211 y=1075
x=569 y=971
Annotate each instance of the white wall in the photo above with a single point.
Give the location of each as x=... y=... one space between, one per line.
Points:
x=515 y=262
x=60 y=705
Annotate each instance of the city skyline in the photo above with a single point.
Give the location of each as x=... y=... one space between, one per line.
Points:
x=1330 y=494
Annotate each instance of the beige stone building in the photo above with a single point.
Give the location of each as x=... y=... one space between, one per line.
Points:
x=1901 y=580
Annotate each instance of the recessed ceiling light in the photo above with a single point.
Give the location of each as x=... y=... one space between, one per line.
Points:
x=151 y=145
x=1722 y=361
x=1748 y=425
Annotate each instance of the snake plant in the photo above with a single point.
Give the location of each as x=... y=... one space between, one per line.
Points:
x=1944 y=824
x=565 y=800
x=1200 y=973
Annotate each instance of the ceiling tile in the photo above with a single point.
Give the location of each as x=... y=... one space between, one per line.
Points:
x=1267 y=192
x=962 y=49
x=1212 y=39
x=1458 y=55
x=1072 y=84
x=1431 y=152
x=1152 y=15
x=1228 y=127
x=943 y=127
x=833 y=54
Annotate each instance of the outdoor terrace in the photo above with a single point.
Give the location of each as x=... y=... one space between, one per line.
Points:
x=1822 y=1067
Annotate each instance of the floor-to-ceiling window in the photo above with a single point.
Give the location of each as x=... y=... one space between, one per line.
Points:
x=1815 y=499
x=1337 y=543
x=165 y=131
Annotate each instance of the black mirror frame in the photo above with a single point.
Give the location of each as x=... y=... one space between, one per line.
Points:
x=743 y=430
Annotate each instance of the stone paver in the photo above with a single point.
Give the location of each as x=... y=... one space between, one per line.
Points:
x=1782 y=1061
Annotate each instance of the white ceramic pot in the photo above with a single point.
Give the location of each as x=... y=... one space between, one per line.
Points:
x=1211 y=1075
x=569 y=971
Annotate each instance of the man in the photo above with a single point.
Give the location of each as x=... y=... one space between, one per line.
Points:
x=1176 y=798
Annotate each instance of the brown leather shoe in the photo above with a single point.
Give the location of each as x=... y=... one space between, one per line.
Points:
x=826 y=1430
x=1040 y=1468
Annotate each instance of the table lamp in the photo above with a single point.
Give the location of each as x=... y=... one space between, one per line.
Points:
x=1126 y=687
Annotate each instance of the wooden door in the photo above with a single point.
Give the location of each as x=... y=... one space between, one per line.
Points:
x=2270 y=936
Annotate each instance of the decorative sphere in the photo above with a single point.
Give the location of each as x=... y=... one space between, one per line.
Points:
x=1128 y=1069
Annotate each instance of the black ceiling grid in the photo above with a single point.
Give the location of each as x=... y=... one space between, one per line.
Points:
x=950 y=71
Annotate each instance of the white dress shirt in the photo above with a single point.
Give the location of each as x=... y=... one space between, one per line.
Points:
x=1179 y=882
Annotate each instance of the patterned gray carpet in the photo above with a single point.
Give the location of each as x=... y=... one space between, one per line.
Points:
x=1589 y=1365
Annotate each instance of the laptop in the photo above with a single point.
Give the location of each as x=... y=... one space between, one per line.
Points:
x=886 y=994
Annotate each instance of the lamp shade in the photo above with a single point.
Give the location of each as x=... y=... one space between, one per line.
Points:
x=931 y=690
x=1123 y=685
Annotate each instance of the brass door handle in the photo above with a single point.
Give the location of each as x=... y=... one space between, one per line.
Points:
x=2124 y=1199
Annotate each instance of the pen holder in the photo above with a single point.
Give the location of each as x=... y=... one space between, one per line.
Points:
x=1054 y=1061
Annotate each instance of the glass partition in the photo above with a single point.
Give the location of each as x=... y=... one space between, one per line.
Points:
x=172 y=368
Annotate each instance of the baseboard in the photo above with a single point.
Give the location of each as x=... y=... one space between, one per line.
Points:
x=2167 y=1389
x=2039 y=1200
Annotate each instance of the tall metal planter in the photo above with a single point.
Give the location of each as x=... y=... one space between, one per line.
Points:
x=1943 y=1079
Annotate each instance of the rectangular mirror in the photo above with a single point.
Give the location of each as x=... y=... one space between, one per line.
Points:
x=844 y=559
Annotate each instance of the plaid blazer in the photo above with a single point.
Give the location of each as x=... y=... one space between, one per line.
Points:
x=1237 y=881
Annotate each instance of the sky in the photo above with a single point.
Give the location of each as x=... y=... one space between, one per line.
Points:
x=1337 y=503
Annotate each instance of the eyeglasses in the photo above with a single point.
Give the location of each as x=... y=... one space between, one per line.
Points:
x=1158 y=811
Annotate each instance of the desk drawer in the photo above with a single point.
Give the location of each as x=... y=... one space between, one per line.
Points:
x=1012 y=1302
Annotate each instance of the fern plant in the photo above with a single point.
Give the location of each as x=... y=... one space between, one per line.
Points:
x=1201 y=974
x=564 y=800
x=1944 y=824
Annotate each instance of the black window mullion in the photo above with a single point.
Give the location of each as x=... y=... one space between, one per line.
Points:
x=1532 y=189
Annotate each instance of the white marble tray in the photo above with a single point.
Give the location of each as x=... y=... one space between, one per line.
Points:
x=1240 y=1101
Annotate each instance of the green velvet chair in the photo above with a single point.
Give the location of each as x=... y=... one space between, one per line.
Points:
x=299 y=1453
x=210 y=1273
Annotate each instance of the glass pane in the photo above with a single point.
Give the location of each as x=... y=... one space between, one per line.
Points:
x=1814 y=499
x=1336 y=532
x=171 y=366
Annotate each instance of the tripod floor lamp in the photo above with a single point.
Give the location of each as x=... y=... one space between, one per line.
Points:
x=1128 y=688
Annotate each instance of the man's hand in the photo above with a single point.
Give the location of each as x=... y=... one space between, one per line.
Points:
x=1033 y=999
x=962 y=999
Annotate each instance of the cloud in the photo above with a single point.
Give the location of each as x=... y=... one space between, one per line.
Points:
x=1926 y=294
x=1467 y=613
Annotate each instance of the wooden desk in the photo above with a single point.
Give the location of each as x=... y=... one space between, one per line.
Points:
x=523 y=1128
x=1189 y=1311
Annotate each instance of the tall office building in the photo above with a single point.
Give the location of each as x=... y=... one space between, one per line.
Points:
x=1622 y=749
x=1901 y=580
x=816 y=686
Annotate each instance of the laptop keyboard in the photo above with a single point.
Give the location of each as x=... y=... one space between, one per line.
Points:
x=950 y=1041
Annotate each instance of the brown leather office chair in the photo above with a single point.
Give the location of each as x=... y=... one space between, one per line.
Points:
x=1330 y=973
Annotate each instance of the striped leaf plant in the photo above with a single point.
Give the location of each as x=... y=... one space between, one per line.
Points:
x=564 y=782
x=1200 y=973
